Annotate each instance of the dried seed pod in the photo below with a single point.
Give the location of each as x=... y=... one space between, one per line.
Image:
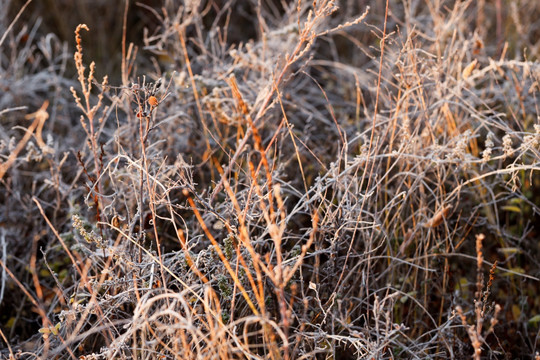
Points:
x=438 y=218
x=469 y=69
x=153 y=101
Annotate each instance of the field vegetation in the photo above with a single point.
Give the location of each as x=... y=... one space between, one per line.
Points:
x=227 y=179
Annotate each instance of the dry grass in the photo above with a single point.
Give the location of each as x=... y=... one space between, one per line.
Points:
x=273 y=180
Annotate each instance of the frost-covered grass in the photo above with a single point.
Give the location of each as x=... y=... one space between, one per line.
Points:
x=270 y=180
